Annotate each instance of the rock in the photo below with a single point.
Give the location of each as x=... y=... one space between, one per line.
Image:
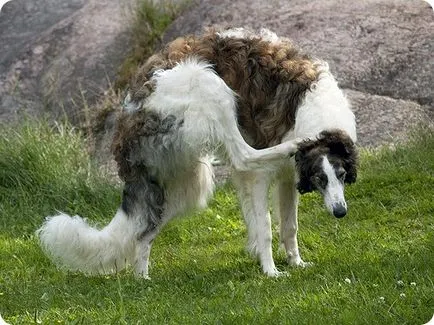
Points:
x=58 y=55
x=382 y=119
x=380 y=50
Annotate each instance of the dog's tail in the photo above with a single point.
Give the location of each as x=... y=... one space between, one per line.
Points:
x=73 y=244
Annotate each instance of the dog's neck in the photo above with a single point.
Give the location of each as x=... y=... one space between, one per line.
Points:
x=324 y=107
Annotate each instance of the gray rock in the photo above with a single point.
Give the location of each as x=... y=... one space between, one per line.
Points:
x=382 y=50
x=57 y=55
x=382 y=119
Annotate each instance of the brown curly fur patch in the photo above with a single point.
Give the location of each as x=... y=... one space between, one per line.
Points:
x=270 y=79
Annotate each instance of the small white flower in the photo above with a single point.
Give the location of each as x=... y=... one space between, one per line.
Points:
x=402 y=295
x=400 y=283
x=382 y=299
x=347 y=280
x=413 y=284
x=375 y=285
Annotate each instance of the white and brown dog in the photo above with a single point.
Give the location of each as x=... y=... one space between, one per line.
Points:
x=246 y=97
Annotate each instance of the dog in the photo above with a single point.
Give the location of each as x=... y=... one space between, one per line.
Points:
x=275 y=114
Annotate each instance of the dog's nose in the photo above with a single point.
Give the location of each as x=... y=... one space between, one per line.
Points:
x=339 y=210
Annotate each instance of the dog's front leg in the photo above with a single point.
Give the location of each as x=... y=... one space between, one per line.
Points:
x=286 y=200
x=253 y=194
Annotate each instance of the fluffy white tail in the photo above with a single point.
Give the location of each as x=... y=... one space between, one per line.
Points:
x=76 y=246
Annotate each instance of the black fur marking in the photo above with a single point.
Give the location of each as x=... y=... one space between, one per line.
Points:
x=141 y=136
x=340 y=151
x=144 y=197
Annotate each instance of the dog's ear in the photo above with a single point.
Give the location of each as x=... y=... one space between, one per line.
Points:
x=304 y=185
x=298 y=157
x=339 y=148
x=337 y=142
x=350 y=164
x=344 y=148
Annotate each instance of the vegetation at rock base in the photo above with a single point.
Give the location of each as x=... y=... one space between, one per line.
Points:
x=150 y=21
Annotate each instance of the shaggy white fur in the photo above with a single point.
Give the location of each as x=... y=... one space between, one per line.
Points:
x=324 y=108
x=72 y=243
x=239 y=32
x=193 y=91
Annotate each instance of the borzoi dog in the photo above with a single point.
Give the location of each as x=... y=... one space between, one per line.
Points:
x=273 y=113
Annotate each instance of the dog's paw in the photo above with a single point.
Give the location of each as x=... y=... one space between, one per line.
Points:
x=141 y=273
x=298 y=262
x=142 y=276
x=289 y=148
x=275 y=273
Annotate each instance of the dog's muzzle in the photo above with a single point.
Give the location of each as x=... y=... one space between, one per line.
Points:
x=339 y=210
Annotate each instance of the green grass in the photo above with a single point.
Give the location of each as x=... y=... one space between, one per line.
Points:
x=375 y=266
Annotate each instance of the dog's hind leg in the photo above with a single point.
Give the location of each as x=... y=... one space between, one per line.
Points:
x=244 y=157
x=253 y=194
x=189 y=191
x=208 y=106
x=143 y=202
x=286 y=208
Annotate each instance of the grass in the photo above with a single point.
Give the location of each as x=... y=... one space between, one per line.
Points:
x=375 y=266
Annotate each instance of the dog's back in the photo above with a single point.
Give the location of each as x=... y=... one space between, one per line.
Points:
x=269 y=74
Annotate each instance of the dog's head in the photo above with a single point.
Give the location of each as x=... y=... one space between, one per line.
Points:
x=325 y=164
